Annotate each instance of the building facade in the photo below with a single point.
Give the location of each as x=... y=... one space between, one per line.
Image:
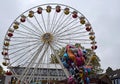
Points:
x=40 y=76
x=114 y=75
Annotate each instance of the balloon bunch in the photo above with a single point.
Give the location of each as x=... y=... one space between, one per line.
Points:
x=73 y=60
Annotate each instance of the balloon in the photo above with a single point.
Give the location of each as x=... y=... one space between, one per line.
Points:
x=74 y=50
x=71 y=80
x=65 y=64
x=79 y=79
x=71 y=46
x=72 y=64
x=85 y=57
x=63 y=59
x=89 y=70
x=87 y=80
x=67 y=47
x=76 y=76
x=86 y=72
x=71 y=55
x=76 y=70
x=66 y=56
x=80 y=61
x=80 y=52
x=88 y=67
x=81 y=75
x=74 y=61
x=84 y=52
x=69 y=61
x=72 y=71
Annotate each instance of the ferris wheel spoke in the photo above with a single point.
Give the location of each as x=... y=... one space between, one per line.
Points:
x=22 y=56
x=48 y=22
x=42 y=30
x=57 y=21
x=63 y=25
x=70 y=29
x=20 y=44
x=44 y=22
x=26 y=31
x=78 y=39
x=31 y=62
x=74 y=34
x=61 y=43
x=81 y=41
x=34 y=26
x=62 y=21
x=73 y=27
x=24 y=47
x=58 y=45
x=21 y=49
x=24 y=38
x=29 y=29
x=23 y=42
x=66 y=26
x=39 y=62
x=19 y=32
x=53 y=21
x=26 y=59
x=17 y=47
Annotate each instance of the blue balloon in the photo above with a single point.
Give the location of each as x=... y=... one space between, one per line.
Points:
x=86 y=71
x=66 y=55
x=62 y=59
x=89 y=70
x=87 y=80
x=65 y=64
x=84 y=52
x=72 y=71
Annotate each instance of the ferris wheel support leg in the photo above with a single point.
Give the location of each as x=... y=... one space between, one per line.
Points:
x=39 y=62
x=64 y=69
x=31 y=63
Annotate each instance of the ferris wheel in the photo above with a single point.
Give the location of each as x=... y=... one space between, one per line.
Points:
x=41 y=31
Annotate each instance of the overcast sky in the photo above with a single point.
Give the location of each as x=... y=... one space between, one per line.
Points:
x=104 y=15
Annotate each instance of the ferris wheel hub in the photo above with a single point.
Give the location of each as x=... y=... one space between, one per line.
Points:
x=47 y=37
